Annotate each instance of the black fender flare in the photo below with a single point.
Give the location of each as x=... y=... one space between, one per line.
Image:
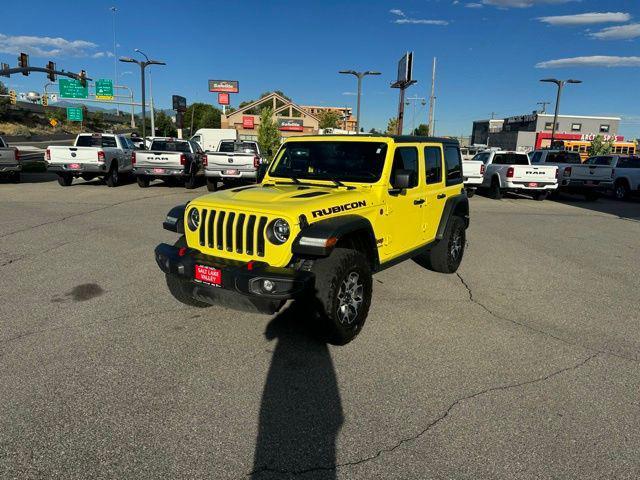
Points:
x=174 y=221
x=457 y=205
x=319 y=238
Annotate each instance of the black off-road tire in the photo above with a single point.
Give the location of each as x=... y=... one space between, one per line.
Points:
x=495 y=191
x=334 y=275
x=470 y=192
x=65 y=179
x=15 y=177
x=446 y=255
x=112 y=177
x=591 y=196
x=621 y=190
x=143 y=181
x=212 y=184
x=540 y=196
x=191 y=180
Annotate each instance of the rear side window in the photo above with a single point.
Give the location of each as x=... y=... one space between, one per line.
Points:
x=510 y=159
x=166 y=146
x=433 y=164
x=226 y=147
x=406 y=158
x=628 y=162
x=535 y=158
x=563 y=157
x=2 y=144
x=453 y=162
x=599 y=161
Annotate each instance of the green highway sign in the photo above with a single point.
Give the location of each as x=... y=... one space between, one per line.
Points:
x=70 y=88
x=74 y=114
x=104 y=89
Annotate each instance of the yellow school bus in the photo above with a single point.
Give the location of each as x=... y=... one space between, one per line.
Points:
x=582 y=147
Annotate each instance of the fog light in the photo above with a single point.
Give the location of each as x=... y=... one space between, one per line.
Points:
x=268 y=285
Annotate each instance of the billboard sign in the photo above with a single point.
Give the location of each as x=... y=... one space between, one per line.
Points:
x=405 y=68
x=290 y=125
x=248 y=122
x=179 y=103
x=223 y=98
x=225 y=86
x=71 y=88
x=104 y=89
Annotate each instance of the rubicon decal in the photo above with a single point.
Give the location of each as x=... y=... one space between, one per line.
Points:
x=338 y=208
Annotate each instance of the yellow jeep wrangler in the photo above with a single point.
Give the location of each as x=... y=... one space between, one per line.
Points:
x=329 y=212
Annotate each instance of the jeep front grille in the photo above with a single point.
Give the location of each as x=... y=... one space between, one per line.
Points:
x=233 y=232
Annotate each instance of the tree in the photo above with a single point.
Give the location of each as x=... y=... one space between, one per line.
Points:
x=164 y=125
x=268 y=134
x=392 y=126
x=329 y=119
x=204 y=116
x=95 y=120
x=4 y=101
x=374 y=131
x=600 y=147
x=422 y=130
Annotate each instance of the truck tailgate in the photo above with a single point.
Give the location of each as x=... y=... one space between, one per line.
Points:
x=61 y=154
x=533 y=173
x=8 y=156
x=472 y=171
x=599 y=173
x=219 y=160
x=158 y=159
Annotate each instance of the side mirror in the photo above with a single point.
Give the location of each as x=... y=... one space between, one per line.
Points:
x=403 y=179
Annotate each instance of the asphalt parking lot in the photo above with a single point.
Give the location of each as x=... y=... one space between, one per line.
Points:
x=523 y=365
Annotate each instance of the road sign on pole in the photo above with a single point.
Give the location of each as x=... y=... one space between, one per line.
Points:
x=74 y=114
x=104 y=89
x=70 y=88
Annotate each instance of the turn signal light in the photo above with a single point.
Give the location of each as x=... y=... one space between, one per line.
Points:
x=48 y=155
x=205 y=160
x=101 y=156
x=183 y=159
x=482 y=169
x=510 y=172
x=567 y=171
x=17 y=155
x=133 y=158
x=256 y=161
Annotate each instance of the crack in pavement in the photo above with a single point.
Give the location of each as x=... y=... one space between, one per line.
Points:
x=88 y=212
x=24 y=257
x=426 y=429
x=536 y=330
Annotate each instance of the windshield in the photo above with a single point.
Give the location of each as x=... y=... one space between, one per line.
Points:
x=599 y=161
x=168 y=146
x=510 y=159
x=331 y=160
x=237 y=147
x=563 y=157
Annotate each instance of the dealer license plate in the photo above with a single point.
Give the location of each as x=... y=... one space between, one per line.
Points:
x=210 y=275
x=158 y=170
x=533 y=184
x=588 y=182
x=231 y=172
x=74 y=166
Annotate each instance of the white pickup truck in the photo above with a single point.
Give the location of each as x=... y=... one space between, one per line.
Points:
x=626 y=173
x=92 y=155
x=10 y=166
x=511 y=171
x=472 y=175
x=233 y=161
x=573 y=175
x=169 y=159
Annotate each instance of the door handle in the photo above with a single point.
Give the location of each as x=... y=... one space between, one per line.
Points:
x=419 y=202
x=441 y=196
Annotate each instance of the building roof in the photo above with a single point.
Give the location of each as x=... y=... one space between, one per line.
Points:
x=395 y=138
x=287 y=103
x=592 y=117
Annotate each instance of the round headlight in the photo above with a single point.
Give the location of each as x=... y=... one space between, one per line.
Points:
x=280 y=231
x=194 y=219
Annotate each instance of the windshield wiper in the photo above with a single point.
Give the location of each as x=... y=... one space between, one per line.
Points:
x=337 y=182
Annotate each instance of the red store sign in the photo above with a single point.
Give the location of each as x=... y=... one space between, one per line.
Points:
x=248 y=122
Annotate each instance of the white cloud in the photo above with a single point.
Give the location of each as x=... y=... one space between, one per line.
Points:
x=592 y=61
x=419 y=21
x=45 y=46
x=622 y=32
x=350 y=94
x=587 y=18
x=102 y=55
x=474 y=5
x=397 y=12
x=521 y=3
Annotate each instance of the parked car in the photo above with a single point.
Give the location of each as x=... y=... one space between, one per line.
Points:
x=233 y=161
x=169 y=159
x=92 y=155
x=472 y=175
x=573 y=175
x=10 y=166
x=210 y=138
x=511 y=171
x=626 y=173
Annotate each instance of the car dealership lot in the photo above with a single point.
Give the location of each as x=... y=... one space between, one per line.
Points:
x=524 y=364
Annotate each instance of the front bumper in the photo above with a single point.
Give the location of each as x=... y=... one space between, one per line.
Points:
x=241 y=174
x=240 y=283
x=8 y=168
x=155 y=171
x=83 y=168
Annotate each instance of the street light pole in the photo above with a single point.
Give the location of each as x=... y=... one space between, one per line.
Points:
x=360 y=76
x=115 y=57
x=560 y=84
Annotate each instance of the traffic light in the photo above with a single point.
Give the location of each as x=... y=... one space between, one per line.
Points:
x=12 y=97
x=23 y=62
x=82 y=76
x=45 y=100
x=51 y=75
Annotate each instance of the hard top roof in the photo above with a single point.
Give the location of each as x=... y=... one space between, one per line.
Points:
x=395 y=138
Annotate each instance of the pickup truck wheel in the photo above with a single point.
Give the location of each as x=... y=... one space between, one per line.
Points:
x=15 y=177
x=191 y=181
x=621 y=190
x=112 y=176
x=540 y=196
x=591 y=196
x=212 y=184
x=143 y=182
x=65 y=180
x=446 y=256
x=343 y=294
x=496 y=192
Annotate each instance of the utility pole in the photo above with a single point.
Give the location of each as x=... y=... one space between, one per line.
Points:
x=432 y=99
x=544 y=106
x=493 y=115
x=404 y=81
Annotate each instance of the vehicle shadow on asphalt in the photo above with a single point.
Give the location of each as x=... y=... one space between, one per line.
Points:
x=301 y=411
x=623 y=209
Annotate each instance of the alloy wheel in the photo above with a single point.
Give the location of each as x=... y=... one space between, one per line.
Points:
x=350 y=297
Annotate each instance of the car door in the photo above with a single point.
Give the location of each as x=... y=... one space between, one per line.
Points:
x=435 y=189
x=403 y=219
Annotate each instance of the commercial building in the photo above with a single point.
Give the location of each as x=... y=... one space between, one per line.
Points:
x=528 y=132
x=291 y=119
x=347 y=120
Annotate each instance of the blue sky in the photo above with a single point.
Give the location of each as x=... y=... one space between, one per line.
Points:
x=491 y=53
